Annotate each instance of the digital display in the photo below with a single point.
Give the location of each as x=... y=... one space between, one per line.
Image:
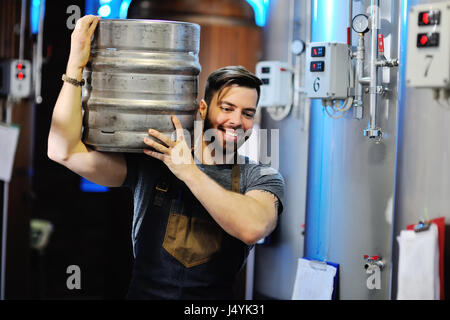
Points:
x=265 y=81
x=265 y=70
x=427 y=40
x=429 y=18
x=317 y=66
x=317 y=52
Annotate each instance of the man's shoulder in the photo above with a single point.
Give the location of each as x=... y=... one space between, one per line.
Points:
x=259 y=169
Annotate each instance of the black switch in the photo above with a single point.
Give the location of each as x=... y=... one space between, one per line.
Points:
x=428 y=40
x=317 y=66
x=265 y=81
x=429 y=18
x=318 y=52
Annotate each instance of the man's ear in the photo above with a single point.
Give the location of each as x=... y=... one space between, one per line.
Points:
x=203 y=109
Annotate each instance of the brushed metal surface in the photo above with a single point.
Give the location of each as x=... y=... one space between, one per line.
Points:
x=276 y=263
x=423 y=152
x=350 y=178
x=139 y=74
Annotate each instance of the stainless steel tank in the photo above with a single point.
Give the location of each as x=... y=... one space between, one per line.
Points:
x=139 y=74
x=422 y=184
x=336 y=178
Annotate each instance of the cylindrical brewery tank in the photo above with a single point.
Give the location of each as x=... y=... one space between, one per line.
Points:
x=140 y=72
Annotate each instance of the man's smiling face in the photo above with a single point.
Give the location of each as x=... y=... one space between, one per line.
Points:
x=231 y=114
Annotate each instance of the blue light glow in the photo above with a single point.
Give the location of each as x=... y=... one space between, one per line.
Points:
x=88 y=186
x=124 y=9
x=315 y=10
x=34 y=15
x=330 y=11
x=329 y=25
x=104 y=10
x=110 y=9
x=261 y=8
x=119 y=9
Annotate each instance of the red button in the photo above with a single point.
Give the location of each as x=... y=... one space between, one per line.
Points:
x=426 y=18
x=424 y=40
x=19 y=66
x=20 y=76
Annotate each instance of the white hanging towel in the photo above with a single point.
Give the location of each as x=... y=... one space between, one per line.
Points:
x=418 y=269
x=9 y=137
x=313 y=281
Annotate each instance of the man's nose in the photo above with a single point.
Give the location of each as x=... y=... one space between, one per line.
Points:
x=236 y=118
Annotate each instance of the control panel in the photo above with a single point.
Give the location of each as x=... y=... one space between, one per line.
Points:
x=276 y=90
x=327 y=70
x=15 y=78
x=428 y=61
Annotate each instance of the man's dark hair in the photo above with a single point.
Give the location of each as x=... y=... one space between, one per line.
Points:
x=227 y=76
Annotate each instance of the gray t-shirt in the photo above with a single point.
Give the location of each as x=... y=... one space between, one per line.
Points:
x=141 y=178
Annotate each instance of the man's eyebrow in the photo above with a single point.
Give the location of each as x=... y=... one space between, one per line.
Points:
x=228 y=103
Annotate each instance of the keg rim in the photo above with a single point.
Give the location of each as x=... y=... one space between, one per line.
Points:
x=151 y=21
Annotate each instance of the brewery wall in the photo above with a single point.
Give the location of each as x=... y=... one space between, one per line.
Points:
x=339 y=184
x=346 y=195
x=350 y=177
x=276 y=260
x=360 y=193
x=422 y=168
x=91 y=226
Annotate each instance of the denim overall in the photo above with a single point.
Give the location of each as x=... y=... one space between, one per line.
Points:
x=181 y=252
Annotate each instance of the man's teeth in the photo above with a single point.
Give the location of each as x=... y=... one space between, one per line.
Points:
x=231 y=133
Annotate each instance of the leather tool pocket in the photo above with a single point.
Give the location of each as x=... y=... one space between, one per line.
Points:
x=192 y=240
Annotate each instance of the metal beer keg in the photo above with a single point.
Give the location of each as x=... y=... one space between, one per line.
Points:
x=140 y=72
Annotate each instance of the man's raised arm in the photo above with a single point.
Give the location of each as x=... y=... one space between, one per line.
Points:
x=64 y=140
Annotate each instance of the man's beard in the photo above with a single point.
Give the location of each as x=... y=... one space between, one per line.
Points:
x=225 y=145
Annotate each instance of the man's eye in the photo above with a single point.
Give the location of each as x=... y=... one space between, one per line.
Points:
x=249 y=114
x=226 y=109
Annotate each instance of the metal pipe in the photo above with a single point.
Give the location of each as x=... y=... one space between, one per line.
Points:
x=373 y=131
x=308 y=36
x=4 y=227
x=250 y=275
x=39 y=57
x=360 y=53
x=359 y=80
x=291 y=31
x=9 y=105
x=22 y=29
x=350 y=20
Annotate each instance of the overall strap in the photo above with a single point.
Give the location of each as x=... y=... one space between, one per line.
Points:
x=236 y=178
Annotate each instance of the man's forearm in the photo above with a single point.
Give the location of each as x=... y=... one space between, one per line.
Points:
x=65 y=130
x=241 y=216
